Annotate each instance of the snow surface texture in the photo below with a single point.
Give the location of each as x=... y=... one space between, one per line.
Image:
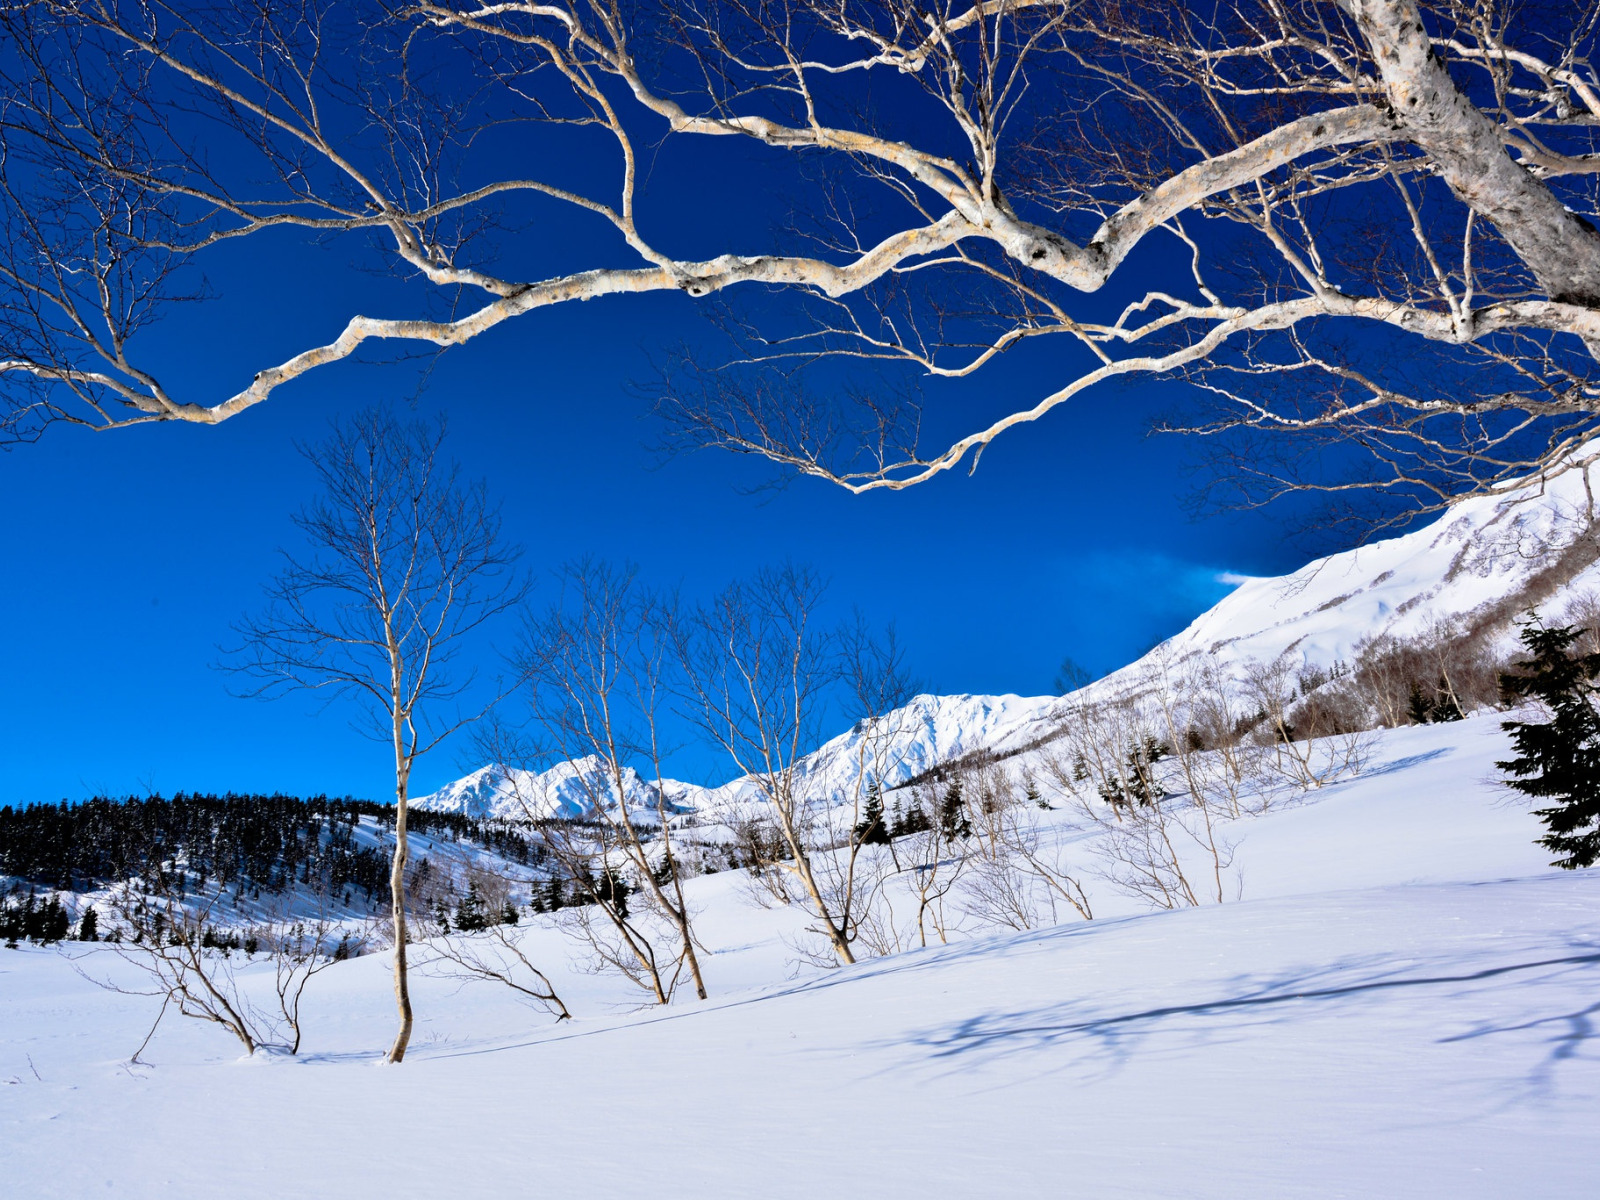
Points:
x=1403 y=1005
x=1481 y=552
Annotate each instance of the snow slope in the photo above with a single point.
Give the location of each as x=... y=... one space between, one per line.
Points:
x=1402 y=1005
x=1479 y=552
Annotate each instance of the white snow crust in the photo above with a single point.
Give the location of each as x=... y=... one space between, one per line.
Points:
x=1402 y=1005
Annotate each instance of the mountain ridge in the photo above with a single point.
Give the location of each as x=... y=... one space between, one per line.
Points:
x=1480 y=563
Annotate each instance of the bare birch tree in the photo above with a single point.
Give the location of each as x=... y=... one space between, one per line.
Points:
x=404 y=566
x=1216 y=719
x=1371 y=220
x=759 y=676
x=1112 y=769
x=597 y=674
x=1306 y=757
x=857 y=860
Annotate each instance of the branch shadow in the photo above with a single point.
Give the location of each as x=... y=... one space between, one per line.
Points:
x=1406 y=763
x=1114 y=1038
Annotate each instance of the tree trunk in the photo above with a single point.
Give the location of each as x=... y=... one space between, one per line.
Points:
x=836 y=934
x=397 y=898
x=1560 y=247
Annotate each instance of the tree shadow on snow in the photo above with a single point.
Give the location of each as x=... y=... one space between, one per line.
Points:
x=1406 y=763
x=1113 y=1038
x=1569 y=1033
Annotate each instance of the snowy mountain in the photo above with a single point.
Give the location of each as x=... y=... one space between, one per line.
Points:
x=1480 y=565
x=1486 y=559
x=926 y=732
x=566 y=790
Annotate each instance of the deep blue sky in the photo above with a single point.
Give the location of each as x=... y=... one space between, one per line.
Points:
x=128 y=554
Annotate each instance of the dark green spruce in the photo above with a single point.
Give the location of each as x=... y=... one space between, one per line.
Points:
x=1558 y=761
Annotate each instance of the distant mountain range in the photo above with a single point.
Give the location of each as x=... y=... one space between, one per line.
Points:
x=1485 y=561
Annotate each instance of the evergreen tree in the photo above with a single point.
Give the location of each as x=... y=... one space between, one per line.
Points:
x=1113 y=793
x=953 y=822
x=470 y=916
x=509 y=914
x=89 y=926
x=872 y=829
x=1558 y=760
x=612 y=889
x=913 y=820
x=1445 y=707
x=1420 y=707
x=1142 y=757
x=51 y=923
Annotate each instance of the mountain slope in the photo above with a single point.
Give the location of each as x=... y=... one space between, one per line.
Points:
x=1482 y=563
x=1477 y=560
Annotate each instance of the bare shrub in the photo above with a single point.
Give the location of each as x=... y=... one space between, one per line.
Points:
x=931 y=859
x=1018 y=877
x=1112 y=748
x=1385 y=678
x=1582 y=611
x=609 y=912
x=496 y=954
x=1217 y=720
x=173 y=941
x=1448 y=672
x=1314 y=754
x=300 y=952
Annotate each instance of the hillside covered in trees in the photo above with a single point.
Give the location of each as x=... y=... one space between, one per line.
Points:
x=257 y=844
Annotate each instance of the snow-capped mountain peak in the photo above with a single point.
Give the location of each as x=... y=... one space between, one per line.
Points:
x=576 y=788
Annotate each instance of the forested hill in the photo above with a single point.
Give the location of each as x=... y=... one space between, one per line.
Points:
x=266 y=843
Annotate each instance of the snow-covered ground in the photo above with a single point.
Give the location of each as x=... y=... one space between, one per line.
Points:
x=1402 y=1004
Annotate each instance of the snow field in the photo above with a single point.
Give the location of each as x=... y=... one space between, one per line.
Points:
x=1402 y=1005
